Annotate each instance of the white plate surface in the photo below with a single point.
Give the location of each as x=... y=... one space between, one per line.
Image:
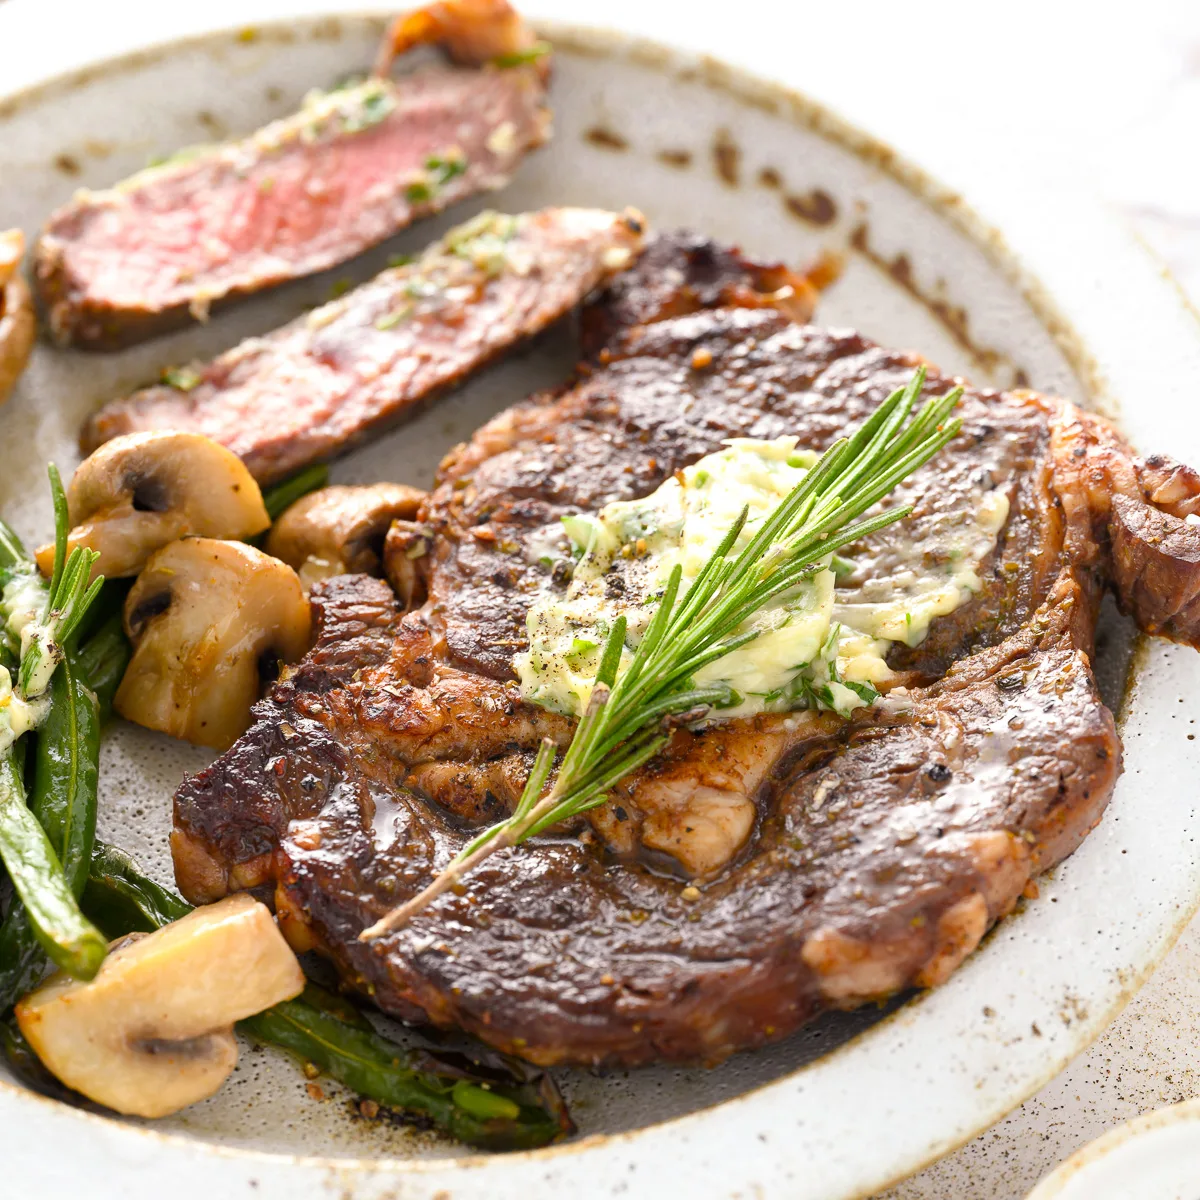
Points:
x=1062 y=299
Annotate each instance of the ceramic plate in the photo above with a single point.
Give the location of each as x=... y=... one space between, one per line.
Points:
x=853 y=1102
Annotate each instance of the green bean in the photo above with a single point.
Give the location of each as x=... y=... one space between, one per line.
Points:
x=335 y=1005
x=474 y=1110
x=283 y=495
x=121 y=900
x=46 y=843
x=66 y=772
x=63 y=800
x=22 y=959
x=71 y=941
x=493 y=1106
x=102 y=660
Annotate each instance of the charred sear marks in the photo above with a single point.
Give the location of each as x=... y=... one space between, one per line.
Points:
x=881 y=850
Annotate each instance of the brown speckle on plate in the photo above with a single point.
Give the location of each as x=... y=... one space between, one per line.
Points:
x=952 y=317
x=212 y=125
x=605 y=138
x=328 y=30
x=816 y=206
x=675 y=158
x=727 y=158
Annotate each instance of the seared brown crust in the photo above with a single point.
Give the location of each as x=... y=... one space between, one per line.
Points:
x=881 y=849
x=300 y=196
x=682 y=272
x=1156 y=567
x=1171 y=486
x=324 y=382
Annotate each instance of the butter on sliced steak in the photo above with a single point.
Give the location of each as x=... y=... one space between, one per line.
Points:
x=329 y=379
x=353 y=167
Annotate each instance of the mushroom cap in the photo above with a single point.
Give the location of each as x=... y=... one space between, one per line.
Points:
x=338 y=530
x=142 y=490
x=18 y=321
x=205 y=618
x=153 y=1031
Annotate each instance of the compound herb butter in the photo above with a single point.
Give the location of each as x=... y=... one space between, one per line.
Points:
x=813 y=649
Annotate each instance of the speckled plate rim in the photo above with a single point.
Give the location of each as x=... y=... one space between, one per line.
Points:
x=917 y=1082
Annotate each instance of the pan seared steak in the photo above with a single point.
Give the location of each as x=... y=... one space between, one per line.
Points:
x=325 y=381
x=760 y=871
x=351 y=168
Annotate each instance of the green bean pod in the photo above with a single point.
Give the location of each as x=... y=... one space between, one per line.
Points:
x=66 y=772
x=63 y=800
x=121 y=900
x=469 y=1108
x=102 y=660
x=22 y=959
x=278 y=499
x=71 y=941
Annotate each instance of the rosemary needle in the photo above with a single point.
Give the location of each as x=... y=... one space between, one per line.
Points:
x=630 y=719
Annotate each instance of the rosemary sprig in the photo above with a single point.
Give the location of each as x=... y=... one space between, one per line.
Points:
x=630 y=718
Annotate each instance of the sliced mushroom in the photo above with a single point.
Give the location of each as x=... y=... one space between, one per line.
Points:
x=143 y=490
x=406 y=544
x=18 y=323
x=209 y=621
x=339 y=530
x=153 y=1031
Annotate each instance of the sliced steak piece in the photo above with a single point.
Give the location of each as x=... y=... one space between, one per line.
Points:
x=351 y=168
x=757 y=872
x=325 y=381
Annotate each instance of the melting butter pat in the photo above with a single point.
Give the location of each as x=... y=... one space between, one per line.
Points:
x=817 y=645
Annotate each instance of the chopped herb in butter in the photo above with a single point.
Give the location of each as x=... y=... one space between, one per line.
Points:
x=818 y=647
x=182 y=379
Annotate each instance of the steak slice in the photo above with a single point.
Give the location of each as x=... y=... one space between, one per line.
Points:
x=325 y=381
x=758 y=872
x=351 y=168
